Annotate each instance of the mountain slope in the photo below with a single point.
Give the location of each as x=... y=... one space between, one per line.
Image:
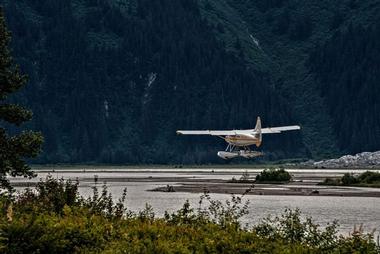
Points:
x=288 y=33
x=112 y=83
x=348 y=65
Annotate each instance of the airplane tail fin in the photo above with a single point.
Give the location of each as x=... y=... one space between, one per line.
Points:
x=258 y=124
x=258 y=131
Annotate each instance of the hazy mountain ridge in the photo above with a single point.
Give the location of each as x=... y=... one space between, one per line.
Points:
x=111 y=81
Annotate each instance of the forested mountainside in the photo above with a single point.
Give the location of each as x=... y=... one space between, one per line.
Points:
x=111 y=81
x=323 y=59
x=348 y=68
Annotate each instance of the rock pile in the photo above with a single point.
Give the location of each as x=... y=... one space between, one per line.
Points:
x=360 y=160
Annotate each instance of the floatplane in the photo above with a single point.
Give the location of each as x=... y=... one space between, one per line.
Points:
x=239 y=141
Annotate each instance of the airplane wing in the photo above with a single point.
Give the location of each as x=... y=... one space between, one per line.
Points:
x=279 y=129
x=271 y=130
x=215 y=133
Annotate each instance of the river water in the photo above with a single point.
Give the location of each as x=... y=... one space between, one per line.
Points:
x=349 y=211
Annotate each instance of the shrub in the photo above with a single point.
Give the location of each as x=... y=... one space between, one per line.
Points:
x=98 y=225
x=369 y=177
x=50 y=195
x=274 y=175
x=349 y=179
x=330 y=181
x=291 y=229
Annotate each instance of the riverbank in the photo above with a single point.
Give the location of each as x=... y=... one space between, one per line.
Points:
x=292 y=189
x=216 y=180
x=365 y=160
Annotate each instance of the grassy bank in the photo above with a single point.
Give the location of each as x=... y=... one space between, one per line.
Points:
x=55 y=219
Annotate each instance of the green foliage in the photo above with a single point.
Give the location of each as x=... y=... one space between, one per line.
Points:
x=369 y=177
x=95 y=225
x=273 y=175
x=349 y=179
x=290 y=228
x=16 y=148
x=330 y=181
x=366 y=179
x=103 y=204
x=225 y=215
x=52 y=195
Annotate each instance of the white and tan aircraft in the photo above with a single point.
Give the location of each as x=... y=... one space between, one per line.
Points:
x=240 y=140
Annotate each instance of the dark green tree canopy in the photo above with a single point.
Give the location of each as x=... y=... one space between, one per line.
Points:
x=111 y=81
x=14 y=149
x=112 y=84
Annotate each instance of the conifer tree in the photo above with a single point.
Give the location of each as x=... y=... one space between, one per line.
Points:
x=14 y=149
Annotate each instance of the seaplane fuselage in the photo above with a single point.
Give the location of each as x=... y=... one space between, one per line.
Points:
x=243 y=140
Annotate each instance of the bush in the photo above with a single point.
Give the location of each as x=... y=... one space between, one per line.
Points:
x=330 y=181
x=274 y=175
x=349 y=179
x=98 y=225
x=307 y=237
x=368 y=179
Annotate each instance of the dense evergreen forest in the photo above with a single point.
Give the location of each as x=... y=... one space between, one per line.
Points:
x=348 y=68
x=110 y=81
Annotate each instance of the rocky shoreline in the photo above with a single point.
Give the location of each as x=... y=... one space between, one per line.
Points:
x=361 y=160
